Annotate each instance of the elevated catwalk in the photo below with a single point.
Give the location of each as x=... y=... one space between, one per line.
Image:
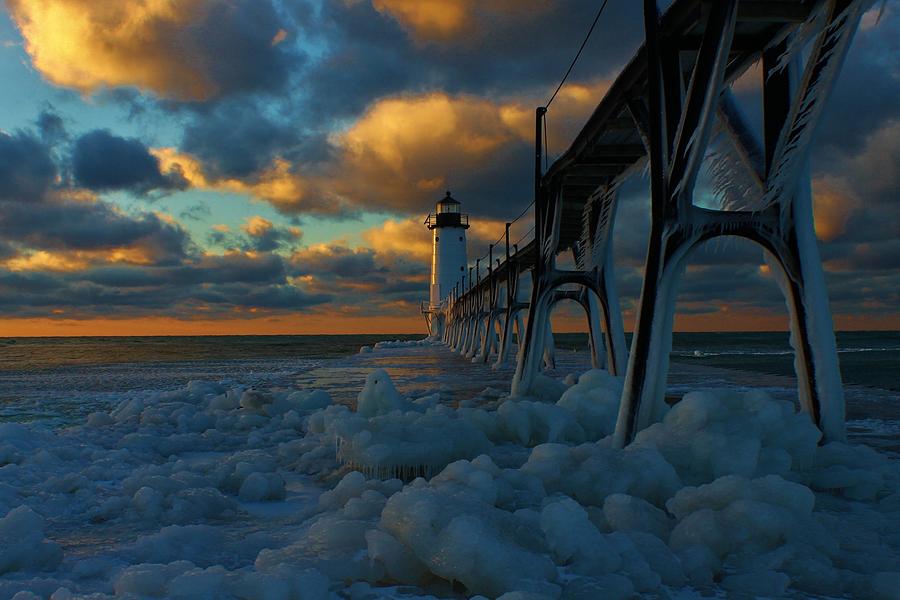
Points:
x=662 y=111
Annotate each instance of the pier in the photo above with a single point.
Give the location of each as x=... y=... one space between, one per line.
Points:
x=661 y=114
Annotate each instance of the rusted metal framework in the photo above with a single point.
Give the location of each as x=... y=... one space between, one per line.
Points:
x=672 y=109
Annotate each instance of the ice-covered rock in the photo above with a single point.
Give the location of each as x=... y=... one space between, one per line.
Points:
x=23 y=546
x=461 y=536
x=594 y=403
x=379 y=396
x=710 y=434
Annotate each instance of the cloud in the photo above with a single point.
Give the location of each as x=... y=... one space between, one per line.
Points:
x=64 y=225
x=51 y=127
x=193 y=50
x=265 y=236
x=278 y=183
x=57 y=227
x=336 y=261
x=444 y=20
x=833 y=204
x=238 y=140
x=495 y=49
x=217 y=286
x=102 y=161
x=405 y=149
x=27 y=169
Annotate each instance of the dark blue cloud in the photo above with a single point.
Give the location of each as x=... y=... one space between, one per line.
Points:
x=234 y=140
x=234 y=43
x=338 y=262
x=76 y=225
x=27 y=170
x=51 y=127
x=371 y=54
x=102 y=161
x=213 y=288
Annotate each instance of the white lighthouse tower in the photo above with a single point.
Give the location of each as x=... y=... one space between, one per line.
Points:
x=448 y=258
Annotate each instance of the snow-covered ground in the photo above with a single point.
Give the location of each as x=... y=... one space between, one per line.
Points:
x=354 y=490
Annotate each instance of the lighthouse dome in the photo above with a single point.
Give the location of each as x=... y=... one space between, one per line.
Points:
x=447 y=204
x=447 y=214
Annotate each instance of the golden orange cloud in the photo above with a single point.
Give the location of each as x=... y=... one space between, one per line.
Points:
x=410 y=239
x=833 y=203
x=444 y=20
x=406 y=145
x=78 y=260
x=401 y=150
x=87 y=44
x=407 y=237
x=278 y=184
x=257 y=225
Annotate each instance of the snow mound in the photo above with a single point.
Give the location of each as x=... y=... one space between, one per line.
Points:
x=22 y=543
x=729 y=494
x=182 y=579
x=584 y=412
x=714 y=433
x=399 y=444
x=379 y=396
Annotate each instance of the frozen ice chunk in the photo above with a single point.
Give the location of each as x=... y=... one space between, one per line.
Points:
x=262 y=486
x=403 y=445
x=710 y=434
x=22 y=543
x=736 y=520
x=594 y=402
x=460 y=537
x=255 y=400
x=379 y=396
x=627 y=513
x=591 y=472
x=529 y=423
x=352 y=485
x=309 y=401
x=99 y=419
x=857 y=472
x=400 y=564
x=575 y=541
x=176 y=542
x=148 y=580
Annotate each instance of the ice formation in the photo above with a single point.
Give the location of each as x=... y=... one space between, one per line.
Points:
x=234 y=492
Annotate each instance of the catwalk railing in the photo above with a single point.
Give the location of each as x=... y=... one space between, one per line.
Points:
x=672 y=110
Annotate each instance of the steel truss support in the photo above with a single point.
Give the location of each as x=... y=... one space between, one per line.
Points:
x=595 y=291
x=784 y=228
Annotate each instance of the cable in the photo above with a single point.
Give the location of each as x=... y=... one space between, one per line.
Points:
x=522 y=214
x=583 y=44
x=525 y=235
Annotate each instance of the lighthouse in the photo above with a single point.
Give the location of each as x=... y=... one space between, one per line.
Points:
x=448 y=258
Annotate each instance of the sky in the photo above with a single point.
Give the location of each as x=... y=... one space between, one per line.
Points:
x=265 y=166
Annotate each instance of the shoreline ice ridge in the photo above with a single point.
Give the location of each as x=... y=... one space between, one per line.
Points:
x=233 y=492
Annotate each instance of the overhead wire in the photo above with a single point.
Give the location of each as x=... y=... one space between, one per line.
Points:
x=545 y=136
x=578 y=54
